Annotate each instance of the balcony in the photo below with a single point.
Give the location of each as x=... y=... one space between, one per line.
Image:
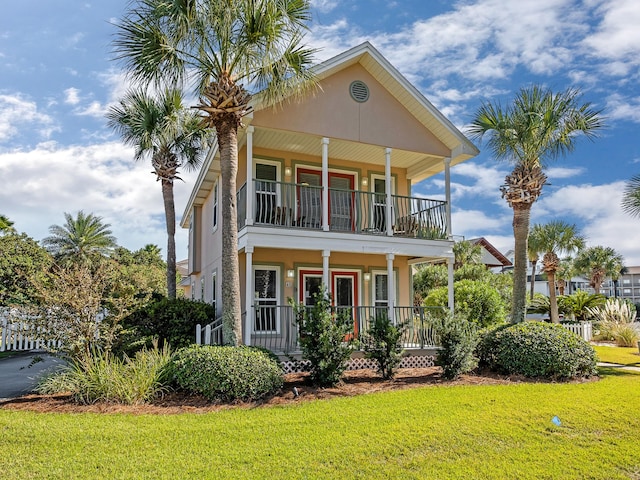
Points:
x=300 y=205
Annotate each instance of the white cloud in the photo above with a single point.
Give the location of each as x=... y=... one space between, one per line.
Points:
x=563 y=172
x=18 y=112
x=474 y=223
x=72 y=96
x=39 y=185
x=621 y=108
x=617 y=36
x=596 y=209
x=325 y=5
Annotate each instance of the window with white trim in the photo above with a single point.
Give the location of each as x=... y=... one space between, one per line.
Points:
x=380 y=290
x=214 y=221
x=193 y=290
x=202 y=285
x=265 y=281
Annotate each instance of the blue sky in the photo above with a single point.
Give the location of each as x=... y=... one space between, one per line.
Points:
x=57 y=81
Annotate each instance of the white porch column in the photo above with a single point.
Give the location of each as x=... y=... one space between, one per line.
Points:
x=325 y=184
x=391 y=286
x=387 y=191
x=450 y=283
x=249 y=190
x=447 y=193
x=325 y=269
x=248 y=295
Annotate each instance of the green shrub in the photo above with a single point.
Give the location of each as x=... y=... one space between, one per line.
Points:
x=382 y=343
x=172 y=321
x=326 y=339
x=458 y=340
x=103 y=377
x=537 y=349
x=226 y=373
x=479 y=302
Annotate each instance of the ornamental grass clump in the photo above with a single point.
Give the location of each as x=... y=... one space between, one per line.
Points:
x=226 y=373
x=103 y=377
x=536 y=349
x=615 y=322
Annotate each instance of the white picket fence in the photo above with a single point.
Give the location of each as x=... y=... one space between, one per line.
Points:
x=211 y=334
x=583 y=329
x=20 y=334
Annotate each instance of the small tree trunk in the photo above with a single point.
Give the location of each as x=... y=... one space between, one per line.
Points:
x=521 y=214
x=227 y=131
x=553 y=299
x=533 y=279
x=170 y=218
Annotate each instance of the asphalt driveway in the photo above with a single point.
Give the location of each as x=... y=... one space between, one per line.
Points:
x=20 y=373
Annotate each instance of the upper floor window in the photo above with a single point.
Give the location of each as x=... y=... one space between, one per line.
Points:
x=214 y=291
x=215 y=206
x=202 y=284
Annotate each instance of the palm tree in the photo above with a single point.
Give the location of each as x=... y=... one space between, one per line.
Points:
x=564 y=273
x=533 y=253
x=6 y=225
x=598 y=263
x=631 y=196
x=82 y=239
x=553 y=238
x=221 y=46
x=466 y=253
x=161 y=129
x=539 y=126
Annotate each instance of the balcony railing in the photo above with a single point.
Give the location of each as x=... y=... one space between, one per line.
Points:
x=275 y=326
x=300 y=205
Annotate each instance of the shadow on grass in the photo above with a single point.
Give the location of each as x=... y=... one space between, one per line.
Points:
x=615 y=371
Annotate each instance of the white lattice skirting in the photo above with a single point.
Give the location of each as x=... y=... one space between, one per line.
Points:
x=410 y=361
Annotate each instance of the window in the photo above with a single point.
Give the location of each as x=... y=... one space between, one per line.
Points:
x=626 y=291
x=193 y=290
x=202 y=289
x=215 y=207
x=214 y=292
x=380 y=290
x=266 y=299
x=626 y=281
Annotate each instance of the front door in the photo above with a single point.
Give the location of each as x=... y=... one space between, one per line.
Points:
x=345 y=294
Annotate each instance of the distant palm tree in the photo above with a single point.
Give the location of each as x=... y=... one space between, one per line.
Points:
x=221 y=46
x=6 y=225
x=554 y=238
x=466 y=253
x=161 y=129
x=564 y=274
x=598 y=263
x=539 y=126
x=82 y=239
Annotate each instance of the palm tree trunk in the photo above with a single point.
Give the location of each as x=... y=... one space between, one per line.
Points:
x=533 y=279
x=170 y=218
x=227 y=131
x=521 y=214
x=553 y=299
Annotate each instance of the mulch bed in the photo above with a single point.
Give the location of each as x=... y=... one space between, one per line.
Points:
x=355 y=382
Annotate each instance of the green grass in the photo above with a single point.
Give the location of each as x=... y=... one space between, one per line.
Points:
x=621 y=355
x=6 y=354
x=441 y=432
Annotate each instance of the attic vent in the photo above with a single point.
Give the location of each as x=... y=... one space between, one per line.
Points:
x=359 y=91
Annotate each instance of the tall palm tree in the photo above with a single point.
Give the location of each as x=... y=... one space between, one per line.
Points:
x=564 y=274
x=534 y=250
x=6 y=225
x=82 y=239
x=598 y=263
x=554 y=238
x=221 y=46
x=161 y=129
x=465 y=253
x=539 y=126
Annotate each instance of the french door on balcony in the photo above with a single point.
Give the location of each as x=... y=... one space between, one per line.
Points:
x=341 y=199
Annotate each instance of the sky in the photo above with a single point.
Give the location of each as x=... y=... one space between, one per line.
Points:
x=58 y=79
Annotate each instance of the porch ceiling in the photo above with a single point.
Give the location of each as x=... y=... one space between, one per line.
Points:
x=418 y=165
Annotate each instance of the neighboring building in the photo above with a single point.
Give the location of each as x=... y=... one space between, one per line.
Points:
x=491 y=256
x=325 y=197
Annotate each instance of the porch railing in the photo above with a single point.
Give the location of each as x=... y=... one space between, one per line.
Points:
x=275 y=326
x=300 y=205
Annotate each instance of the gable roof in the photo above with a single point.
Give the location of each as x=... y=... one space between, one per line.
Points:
x=495 y=257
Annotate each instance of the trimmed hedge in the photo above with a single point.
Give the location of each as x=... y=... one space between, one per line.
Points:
x=536 y=349
x=226 y=373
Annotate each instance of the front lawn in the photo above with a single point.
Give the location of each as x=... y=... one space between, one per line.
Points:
x=621 y=355
x=498 y=431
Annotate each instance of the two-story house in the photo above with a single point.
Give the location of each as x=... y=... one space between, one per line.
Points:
x=325 y=198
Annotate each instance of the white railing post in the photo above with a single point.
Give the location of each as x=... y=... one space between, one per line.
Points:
x=198 y=334
x=207 y=334
x=3 y=338
x=387 y=191
x=325 y=184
